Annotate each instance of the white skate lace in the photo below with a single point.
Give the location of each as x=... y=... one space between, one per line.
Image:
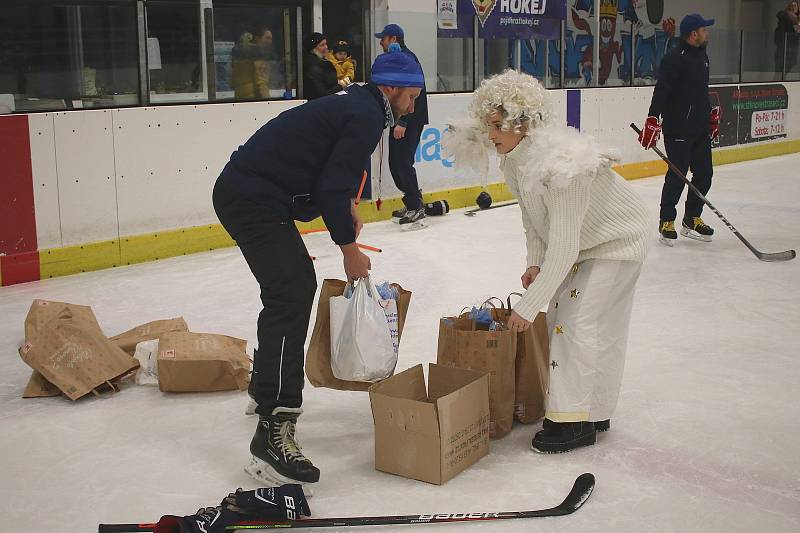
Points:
x=287 y=443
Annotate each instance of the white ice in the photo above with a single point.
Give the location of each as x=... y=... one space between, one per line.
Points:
x=705 y=437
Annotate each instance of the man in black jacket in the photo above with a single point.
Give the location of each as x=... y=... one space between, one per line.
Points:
x=319 y=75
x=689 y=123
x=404 y=139
x=306 y=162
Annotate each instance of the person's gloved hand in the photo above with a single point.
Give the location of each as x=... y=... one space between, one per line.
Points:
x=650 y=133
x=713 y=126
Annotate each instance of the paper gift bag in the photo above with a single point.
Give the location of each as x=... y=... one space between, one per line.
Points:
x=147 y=332
x=463 y=345
x=202 y=362
x=318 y=357
x=531 y=373
x=66 y=345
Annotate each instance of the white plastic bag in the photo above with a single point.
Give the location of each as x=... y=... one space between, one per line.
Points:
x=147 y=355
x=361 y=340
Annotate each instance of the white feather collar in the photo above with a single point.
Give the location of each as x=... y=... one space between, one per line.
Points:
x=554 y=156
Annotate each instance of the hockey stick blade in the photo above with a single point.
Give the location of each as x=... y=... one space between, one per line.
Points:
x=788 y=255
x=581 y=490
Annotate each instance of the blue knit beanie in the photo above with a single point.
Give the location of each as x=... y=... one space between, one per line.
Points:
x=397 y=69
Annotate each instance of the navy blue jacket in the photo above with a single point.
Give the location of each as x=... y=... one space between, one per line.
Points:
x=681 y=94
x=308 y=161
x=420 y=115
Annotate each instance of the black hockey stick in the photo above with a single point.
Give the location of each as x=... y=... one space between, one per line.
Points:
x=580 y=492
x=764 y=256
x=472 y=212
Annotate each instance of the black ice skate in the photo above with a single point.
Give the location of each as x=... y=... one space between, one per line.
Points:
x=560 y=437
x=696 y=229
x=413 y=220
x=277 y=457
x=667 y=230
x=397 y=214
x=600 y=426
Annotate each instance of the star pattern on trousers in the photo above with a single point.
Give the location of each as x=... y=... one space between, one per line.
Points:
x=574 y=293
x=559 y=330
x=574 y=269
x=554 y=364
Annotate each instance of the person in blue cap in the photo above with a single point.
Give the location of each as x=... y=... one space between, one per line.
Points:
x=403 y=141
x=305 y=163
x=690 y=124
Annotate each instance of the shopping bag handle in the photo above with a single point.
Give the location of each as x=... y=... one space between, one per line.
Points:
x=508 y=300
x=489 y=301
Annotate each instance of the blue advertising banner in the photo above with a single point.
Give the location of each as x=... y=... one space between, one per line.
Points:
x=502 y=19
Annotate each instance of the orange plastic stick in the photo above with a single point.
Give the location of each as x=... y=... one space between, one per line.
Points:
x=368 y=247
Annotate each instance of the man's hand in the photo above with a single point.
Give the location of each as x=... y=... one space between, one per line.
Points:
x=356 y=264
x=529 y=276
x=399 y=132
x=713 y=125
x=357 y=224
x=517 y=323
x=650 y=133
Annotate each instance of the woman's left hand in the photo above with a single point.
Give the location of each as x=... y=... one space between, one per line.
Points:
x=517 y=323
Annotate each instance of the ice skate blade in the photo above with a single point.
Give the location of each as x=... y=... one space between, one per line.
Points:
x=667 y=242
x=251 y=407
x=413 y=226
x=686 y=232
x=263 y=472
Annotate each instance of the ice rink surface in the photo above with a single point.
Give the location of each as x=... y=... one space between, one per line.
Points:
x=705 y=437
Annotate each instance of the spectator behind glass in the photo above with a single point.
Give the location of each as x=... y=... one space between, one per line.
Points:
x=341 y=61
x=250 y=78
x=786 y=36
x=319 y=75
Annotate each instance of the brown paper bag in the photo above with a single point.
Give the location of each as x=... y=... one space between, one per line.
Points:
x=532 y=373
x=66 y=345
x=39 y=387
x=201 y=362
x=147 y=332
x=462 y=345
x=318 y=358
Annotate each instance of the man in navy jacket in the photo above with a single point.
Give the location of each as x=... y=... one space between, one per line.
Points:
x=305 y=163
x=404 y=139
x=689 y=124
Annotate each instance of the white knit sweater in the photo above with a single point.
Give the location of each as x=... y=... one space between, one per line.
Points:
x=574 y=208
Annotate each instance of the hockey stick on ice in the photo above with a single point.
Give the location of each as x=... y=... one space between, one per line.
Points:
x=580 y=492
x=764 y=256
x=475 y=210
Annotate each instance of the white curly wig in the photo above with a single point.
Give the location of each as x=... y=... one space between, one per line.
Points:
x=521 y=100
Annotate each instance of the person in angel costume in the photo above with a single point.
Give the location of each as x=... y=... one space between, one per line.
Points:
x=586 y=234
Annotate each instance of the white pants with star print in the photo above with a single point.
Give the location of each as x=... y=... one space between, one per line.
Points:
x=588 y=322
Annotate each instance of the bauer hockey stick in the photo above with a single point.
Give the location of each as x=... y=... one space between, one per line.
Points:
x=763 y=256
x=580 y=492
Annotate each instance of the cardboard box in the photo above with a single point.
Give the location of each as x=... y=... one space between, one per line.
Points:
x=435 y=434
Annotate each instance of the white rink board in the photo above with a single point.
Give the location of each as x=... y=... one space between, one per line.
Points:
x=45 y=180
x=169 y=157
x=86 y=189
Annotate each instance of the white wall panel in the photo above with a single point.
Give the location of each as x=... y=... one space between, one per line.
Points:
x=85 y=163
x=168 y=159
x=45 y=180
x=616 y=109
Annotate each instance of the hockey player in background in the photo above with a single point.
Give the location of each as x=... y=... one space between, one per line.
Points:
x=690 y=125
x=586 y=234
x=305 y=163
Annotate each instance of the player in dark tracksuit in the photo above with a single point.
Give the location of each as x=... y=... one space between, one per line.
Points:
x=305 y=163
x=404 y=139
x=689 y=124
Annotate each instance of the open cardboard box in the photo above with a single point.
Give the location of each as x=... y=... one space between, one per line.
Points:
x=435 y=434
